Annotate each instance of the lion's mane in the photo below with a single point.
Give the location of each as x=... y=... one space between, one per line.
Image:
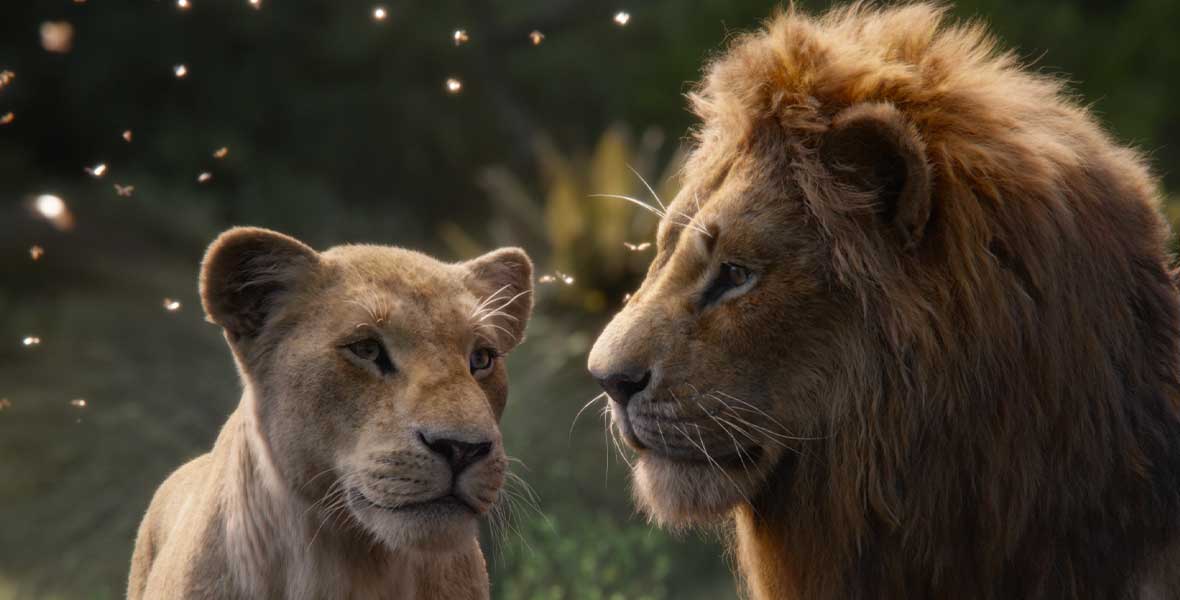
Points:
x=1014 y=420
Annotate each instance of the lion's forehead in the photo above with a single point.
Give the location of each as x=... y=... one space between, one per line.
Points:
x=399 y=288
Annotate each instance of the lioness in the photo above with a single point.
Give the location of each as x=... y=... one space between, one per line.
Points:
x=909 y=324
x=366 y=442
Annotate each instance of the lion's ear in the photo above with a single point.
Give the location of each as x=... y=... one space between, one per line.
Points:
x=247 y=274
x=503 y=281
x=872 y=148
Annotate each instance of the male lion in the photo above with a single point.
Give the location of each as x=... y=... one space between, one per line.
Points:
x=910 y=323
x=366 y=441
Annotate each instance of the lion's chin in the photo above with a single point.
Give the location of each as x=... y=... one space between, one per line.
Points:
x=684 y=494
x=435 y=528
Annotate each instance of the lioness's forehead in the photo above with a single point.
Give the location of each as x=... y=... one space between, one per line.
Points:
x=386 y=284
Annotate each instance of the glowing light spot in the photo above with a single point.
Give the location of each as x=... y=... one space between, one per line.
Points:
x=221 y=152
x=5 y=404
x=36 y=252
x=379 y=13
x=57 y=36
x=626 y=297
x=637 y=247
x=7 y=118
x=97 y=171
x=6 y=77
x=204 y=177
x=622 y=18
x=50 y=206
x=460 y=36
x=31 y=341
x=453 y=85
x=183 y=4
x=557 y=276
x=127 y=136
x=536 y=37
x=180 y=71
x=124 y=191
x=171 y=305
x=53 y=209
x=78 y=403
x=257 y=4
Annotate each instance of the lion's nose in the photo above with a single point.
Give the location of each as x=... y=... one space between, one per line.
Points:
x=459 y=454
x=622 y=386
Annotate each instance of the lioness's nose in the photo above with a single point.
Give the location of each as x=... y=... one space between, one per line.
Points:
x=622 y=386
x=459 y=454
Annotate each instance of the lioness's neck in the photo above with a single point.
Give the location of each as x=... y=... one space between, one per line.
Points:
x=278 y=544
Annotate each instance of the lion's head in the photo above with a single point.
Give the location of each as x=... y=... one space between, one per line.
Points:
x=375 y=376
x=909 y=319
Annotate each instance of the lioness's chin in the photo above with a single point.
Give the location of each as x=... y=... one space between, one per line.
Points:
x=677 y=493
x=435 y=528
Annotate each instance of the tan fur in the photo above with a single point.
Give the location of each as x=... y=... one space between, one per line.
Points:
x=310 y=489
x=956 y=372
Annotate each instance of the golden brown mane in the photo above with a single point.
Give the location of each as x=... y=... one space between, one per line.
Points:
x=1015 y=429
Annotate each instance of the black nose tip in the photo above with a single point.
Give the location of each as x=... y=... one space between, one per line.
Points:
x=621 y=386
x=459 y=454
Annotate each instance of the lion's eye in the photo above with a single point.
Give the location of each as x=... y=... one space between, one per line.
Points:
x=730 y=277
x=481 y=360
x=371 y=350
x=735 y=275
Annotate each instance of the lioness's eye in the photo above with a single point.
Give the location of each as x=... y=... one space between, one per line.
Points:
x=481 y=360
x=730 y=276
x=371 y=350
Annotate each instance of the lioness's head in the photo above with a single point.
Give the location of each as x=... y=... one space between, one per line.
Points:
x=375 y=376
x=721 y=367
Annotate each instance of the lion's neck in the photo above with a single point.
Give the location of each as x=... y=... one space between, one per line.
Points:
x=280 y=545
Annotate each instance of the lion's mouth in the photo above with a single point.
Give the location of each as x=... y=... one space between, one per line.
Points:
x=648 y=436
x=440 y=504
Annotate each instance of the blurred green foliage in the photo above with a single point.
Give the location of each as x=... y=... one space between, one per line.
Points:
x=338 y=130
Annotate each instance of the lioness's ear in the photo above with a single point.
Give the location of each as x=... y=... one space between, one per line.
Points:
x=872 y=148
x=246 y=275
x=503 y=281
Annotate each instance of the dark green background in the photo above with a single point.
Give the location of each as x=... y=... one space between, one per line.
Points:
x=339 y=130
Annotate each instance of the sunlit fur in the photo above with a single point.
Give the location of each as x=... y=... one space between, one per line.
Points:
x=971 y=397
x=307 y=492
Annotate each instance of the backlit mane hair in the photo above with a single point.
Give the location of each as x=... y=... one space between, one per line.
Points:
x=1011 y=419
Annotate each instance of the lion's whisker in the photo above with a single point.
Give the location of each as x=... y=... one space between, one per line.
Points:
x=649 y=188
x=582 y=410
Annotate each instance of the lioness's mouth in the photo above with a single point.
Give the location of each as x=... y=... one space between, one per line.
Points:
x=446 y=502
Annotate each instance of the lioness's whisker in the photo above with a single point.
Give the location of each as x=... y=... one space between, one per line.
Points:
x=486 y=301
